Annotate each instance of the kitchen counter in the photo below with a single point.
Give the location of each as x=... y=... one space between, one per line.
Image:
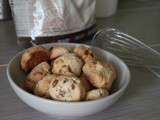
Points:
x=140 y=18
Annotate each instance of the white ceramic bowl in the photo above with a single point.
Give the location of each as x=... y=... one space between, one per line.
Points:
x=69 y=109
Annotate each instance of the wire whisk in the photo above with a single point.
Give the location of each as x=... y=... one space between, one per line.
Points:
x=128 y=48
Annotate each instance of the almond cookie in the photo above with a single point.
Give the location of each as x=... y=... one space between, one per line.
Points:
x=33 y=56
x=42 y=86
x=29 y=85
x=35 y=75
x=57 y=52
x=88 y=86
x=84 y=53
x=68 y=64
x=114 y=75
x=96 y=94
x=38 y=72
x=66 y=88
x=100 y=75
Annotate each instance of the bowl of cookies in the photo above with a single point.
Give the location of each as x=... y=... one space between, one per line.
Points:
x=68 y=79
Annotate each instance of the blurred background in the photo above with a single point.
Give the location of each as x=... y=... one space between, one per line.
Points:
x=139 y=18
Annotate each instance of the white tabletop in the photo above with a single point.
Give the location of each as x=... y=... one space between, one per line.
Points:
x=142 y=98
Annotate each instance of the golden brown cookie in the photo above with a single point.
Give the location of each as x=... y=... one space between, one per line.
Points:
x=66 y=88
x=68 y=64
x=42 y=86
x=29 y=85
x=96 y=94
x=100 y=75
x=35 y=75
x=88 y=86
x=38 y=72
x=34 y=56
x=84 y=53
x=57 y=52
x=113 y=76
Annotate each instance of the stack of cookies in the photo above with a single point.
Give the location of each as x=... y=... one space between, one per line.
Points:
x=64 y=74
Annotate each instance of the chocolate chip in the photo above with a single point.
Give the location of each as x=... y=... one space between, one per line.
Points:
x=92 y=55
x=54 y=83
x=86 y=52
x=65 y=81
x=64 y=66
x=73 y=86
